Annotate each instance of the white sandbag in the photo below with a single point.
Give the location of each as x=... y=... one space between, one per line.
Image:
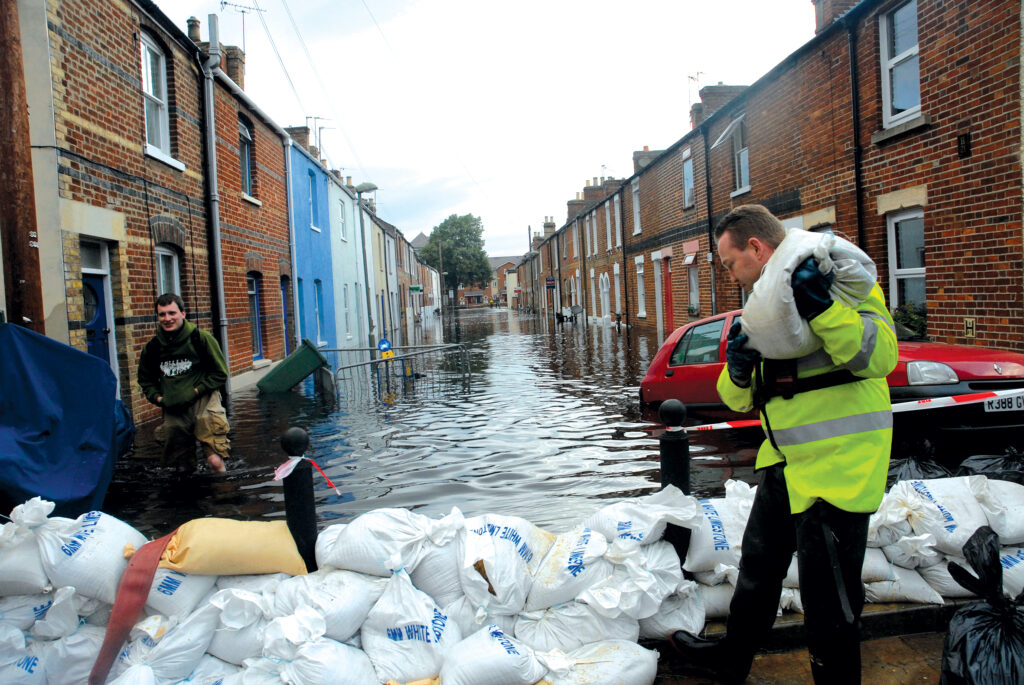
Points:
x=615 y=662
x=719 y=537
x=328 y=662
x=907 y=585
x=210 y=670
x=20 y=662
x=69 y=660
x=21 y=567
x=790 y=600
x=284 y=635
x=97 y=614
x=892 y=520
x=574 y=563
x=406 y=635
x=491 y=657
x=88 y=554
x=61 y=618
x=643 y=519
x=472 y=617
x=172 y=655
x=498 y=556
x=642 y=577
x=960 y=513
x=937 y=575
x=771 y=319
x=682 y=610
x=260 y=583
x=243 y=619
x=571 y=625
x=876 y=567
x=437 y=574
x=1012 y=561
x=21 y=611
x=913 y=551
x=377 y=542
x=1003 y=504
x=258 y=671
x=343 y=598
x=175 y=594
x=721 y=573
x=139 y=674
x=716 y=599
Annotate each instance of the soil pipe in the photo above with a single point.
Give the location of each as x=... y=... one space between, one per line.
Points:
x=858 y=181
x=22 y=282
x=625 y=272
x=711 y=217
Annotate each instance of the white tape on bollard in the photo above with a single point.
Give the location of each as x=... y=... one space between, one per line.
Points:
x=929 y=403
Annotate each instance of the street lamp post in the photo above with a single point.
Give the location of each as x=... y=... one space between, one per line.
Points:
x=360 y=189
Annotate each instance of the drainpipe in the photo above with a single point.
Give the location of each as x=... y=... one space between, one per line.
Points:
x=291 y=240
x=213 y=197
x=858 y=181
x=584 y=279
x=625 y=272
x=711 y=218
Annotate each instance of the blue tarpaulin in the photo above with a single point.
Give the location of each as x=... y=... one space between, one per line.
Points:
x=58 y=425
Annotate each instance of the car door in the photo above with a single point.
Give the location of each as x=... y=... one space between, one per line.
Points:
x=697 y=361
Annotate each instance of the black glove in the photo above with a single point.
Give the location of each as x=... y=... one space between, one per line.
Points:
x=741 y=359
x=810 y=289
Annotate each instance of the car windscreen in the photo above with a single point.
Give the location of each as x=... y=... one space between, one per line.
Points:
x=699 y=345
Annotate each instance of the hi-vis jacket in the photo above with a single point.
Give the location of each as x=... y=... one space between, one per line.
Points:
x=835 y=440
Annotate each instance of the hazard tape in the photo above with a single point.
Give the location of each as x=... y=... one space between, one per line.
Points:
x=929 y=403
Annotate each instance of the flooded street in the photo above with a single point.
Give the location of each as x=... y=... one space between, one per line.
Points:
x=550 y=427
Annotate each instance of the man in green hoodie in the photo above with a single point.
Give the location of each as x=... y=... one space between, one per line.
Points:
x=182 y=370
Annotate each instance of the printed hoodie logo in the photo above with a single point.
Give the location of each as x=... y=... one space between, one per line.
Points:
x=176 y=367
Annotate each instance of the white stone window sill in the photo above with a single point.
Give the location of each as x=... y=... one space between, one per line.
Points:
x=161 y=156
x=321 y=343
x=641 y=315
x=636 y=232
x=251 y=200
x=740 y=191
x=315 y=228
x=261 y=363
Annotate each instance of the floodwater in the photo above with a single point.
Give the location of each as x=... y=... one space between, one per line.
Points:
x=550 y=429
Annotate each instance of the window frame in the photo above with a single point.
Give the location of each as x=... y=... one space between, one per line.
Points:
x=641 y=291
x=608 y=225
x=149 y=46
x=693 y=284
x=313 y=202
x=245 y=157
x=889 y=63
x=320 y=313
x=618 y=220
x=166 y=250
x=689 y=188
x=635 y=189
x=253 y=281
x=896 y=274
x=740 y=159
x=342 y=224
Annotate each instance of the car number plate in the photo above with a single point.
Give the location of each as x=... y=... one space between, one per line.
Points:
x=1013 y=403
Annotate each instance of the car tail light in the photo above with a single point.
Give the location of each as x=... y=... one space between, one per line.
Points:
x=930 y=373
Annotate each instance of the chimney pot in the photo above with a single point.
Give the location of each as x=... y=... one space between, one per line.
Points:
x=586 y=184
x=595 y=181
x=193 y=29
x=646 y=149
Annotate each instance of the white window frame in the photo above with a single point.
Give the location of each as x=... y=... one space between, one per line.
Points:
x=889 y=63
x=618 y=221
x=313 y=201
x=635 y=187
x=586 y=234
x=641 y=294
x=345 y=310
x=618 y=288
x=245 y=148
x=693 y=283
x=165 y=251
x=608 y=225
x=155 y=93
x=320 y=316
x=740 y=159
x=896 y=274
x=689 y=196
x=575 y=240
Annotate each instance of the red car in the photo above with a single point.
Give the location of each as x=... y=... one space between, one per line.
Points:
x=688 y=364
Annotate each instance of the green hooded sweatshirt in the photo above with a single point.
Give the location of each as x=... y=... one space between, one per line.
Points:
x=176 y=366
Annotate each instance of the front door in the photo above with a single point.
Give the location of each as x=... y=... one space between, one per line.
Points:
x=97 y=326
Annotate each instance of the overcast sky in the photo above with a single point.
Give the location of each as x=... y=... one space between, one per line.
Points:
x=498 y=109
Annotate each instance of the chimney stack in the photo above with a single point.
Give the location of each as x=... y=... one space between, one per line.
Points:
x=549 y=226
x=193 y=30
x=235 y=68
x=828 y=11
x=300 y=134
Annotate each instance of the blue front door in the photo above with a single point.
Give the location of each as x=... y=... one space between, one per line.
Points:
x=97 y=327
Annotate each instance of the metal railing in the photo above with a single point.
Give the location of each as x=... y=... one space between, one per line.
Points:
x=416 y=372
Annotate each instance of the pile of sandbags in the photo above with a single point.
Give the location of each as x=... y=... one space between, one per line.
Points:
x=398 y=597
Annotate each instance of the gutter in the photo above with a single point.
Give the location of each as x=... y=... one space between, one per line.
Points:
x=209 y=67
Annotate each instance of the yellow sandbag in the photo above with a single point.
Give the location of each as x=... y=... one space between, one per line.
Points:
x=225 y=547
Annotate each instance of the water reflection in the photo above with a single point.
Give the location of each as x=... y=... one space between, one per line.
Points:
x=550 y=427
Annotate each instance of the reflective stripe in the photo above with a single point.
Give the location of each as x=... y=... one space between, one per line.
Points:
x=834 y=428
x=878 y=317
x=818 y=359
x=861 y=360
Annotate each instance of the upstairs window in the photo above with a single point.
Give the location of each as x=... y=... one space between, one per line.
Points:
x=342 y=229
x=636 y=206
x=154 y=92
x=245 y=156
x=168 y=278
x=618 y=221
x=901 y=74
x=608 y=225
x=314 y=219
x=688 y=194
x=740 y=159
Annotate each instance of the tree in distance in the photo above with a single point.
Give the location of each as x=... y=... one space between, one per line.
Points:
x=462 y=245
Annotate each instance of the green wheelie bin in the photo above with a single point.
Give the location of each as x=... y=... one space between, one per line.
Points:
x=303 y=361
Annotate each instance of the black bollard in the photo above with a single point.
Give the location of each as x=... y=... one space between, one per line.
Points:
x=674 y=446
x=299 y=508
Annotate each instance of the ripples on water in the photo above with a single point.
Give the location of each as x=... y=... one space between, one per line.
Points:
x=550 y=428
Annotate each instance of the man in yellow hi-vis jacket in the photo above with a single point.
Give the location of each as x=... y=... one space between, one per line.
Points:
x=828 y=424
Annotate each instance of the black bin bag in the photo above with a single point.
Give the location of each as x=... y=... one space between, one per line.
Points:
x=985 y=641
